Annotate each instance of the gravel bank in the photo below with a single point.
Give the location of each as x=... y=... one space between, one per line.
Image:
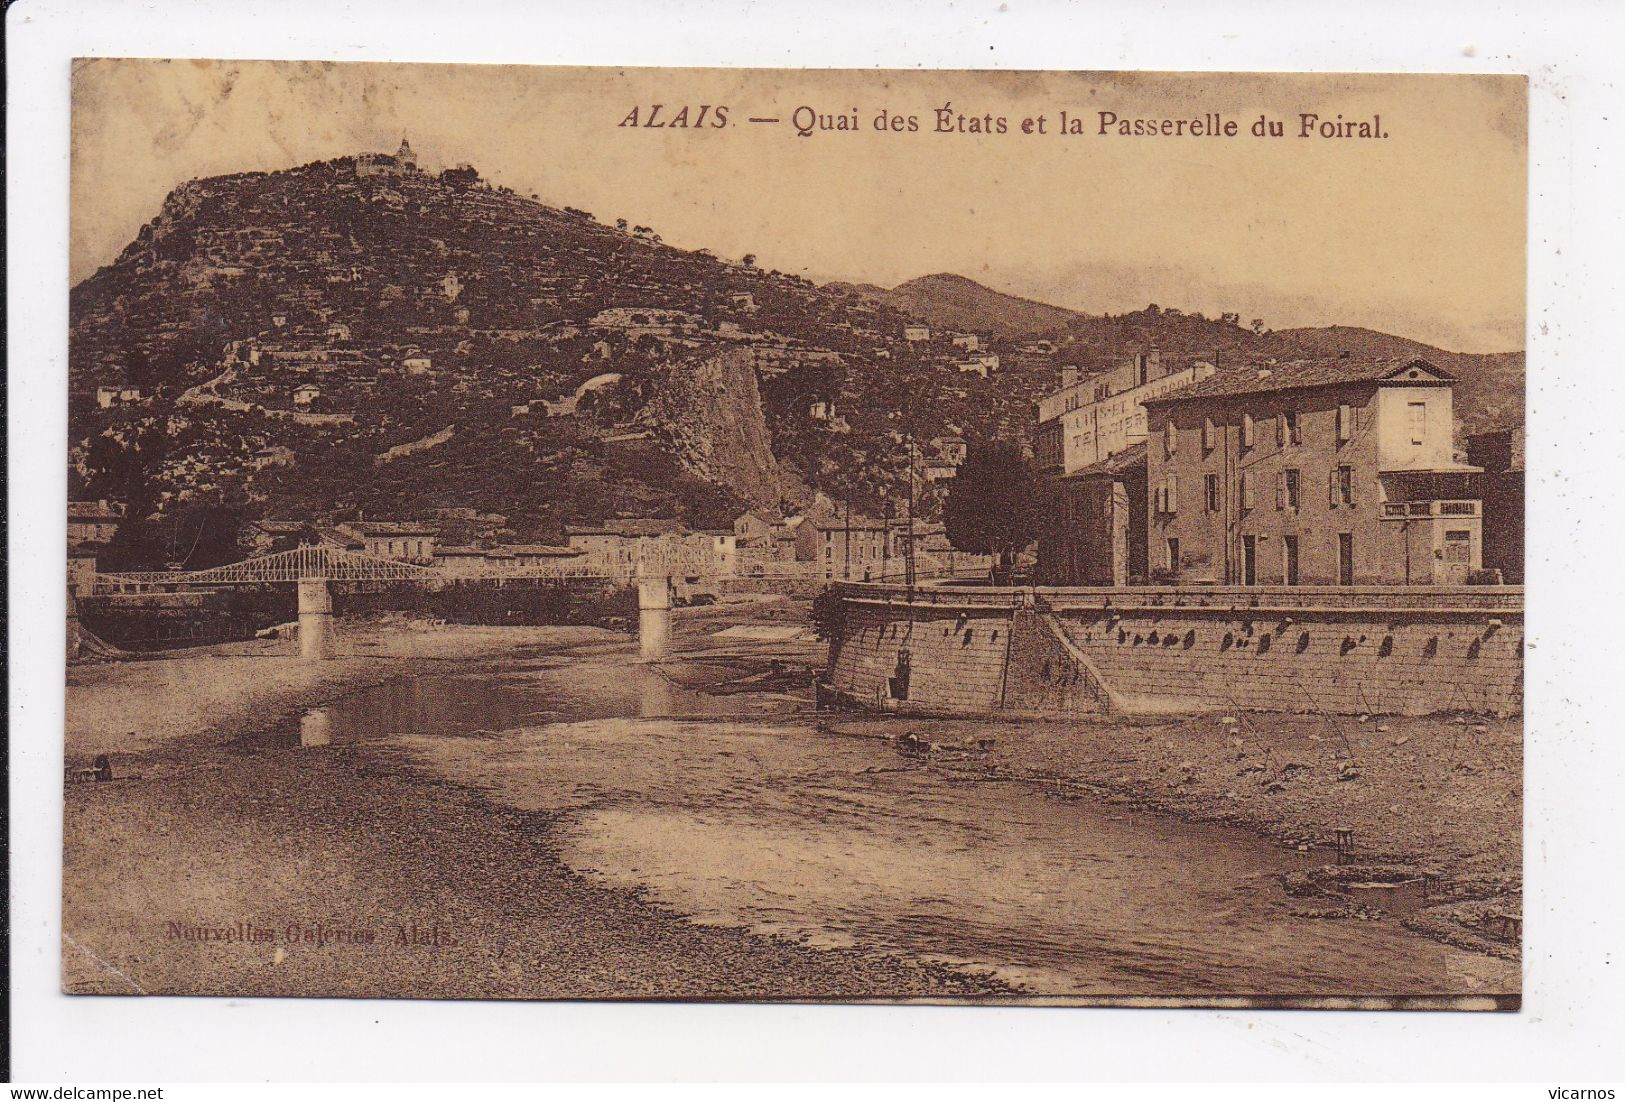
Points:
x=1438 y=795
x=219 y=863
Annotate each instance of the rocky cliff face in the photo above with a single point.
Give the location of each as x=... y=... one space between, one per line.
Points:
x=707 y=412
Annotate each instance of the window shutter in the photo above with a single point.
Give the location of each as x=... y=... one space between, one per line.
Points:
x=1280 y=489
x=1246 y=430
x=1345 y=425
x=1280 y=430
x=1173 y=493
x=1334 y=488
x=1246 y=489
x=1207 y=433
x=1353 y=482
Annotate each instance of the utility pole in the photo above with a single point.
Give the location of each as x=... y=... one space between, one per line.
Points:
x=846 y=566
x=908 y=548
x=885 y=540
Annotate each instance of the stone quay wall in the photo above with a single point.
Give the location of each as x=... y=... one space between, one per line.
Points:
x=1144 y=650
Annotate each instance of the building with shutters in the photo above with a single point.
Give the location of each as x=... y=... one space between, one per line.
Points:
x=408 y=541
x=1334 y=471
x=1090 y=445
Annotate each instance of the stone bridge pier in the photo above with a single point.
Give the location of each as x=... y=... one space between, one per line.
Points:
x=315 y=620
x=654 y=615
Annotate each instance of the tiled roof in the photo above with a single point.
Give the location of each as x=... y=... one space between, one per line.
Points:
x=1125 y=460
x=627 y=528
x=390 y=528
x=855 y=523
x=1296 y=375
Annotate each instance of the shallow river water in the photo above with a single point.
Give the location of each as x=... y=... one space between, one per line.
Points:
x=739 y=810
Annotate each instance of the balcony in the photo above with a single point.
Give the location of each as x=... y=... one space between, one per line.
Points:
x=1404 y=510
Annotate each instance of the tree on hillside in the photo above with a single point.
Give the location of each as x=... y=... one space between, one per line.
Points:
x=993 y=504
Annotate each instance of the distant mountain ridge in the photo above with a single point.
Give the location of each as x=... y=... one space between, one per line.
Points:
x=955 y=302
x=1489 y=388
x=1490 y=391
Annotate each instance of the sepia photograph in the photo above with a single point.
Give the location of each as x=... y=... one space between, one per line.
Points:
x=795 y=535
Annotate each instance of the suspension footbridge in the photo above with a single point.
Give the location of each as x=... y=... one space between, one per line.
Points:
x=315 y=569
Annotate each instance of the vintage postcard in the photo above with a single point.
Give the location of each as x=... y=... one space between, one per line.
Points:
x=950 y=536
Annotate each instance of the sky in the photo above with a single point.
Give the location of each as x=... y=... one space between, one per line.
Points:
x=1420 y=233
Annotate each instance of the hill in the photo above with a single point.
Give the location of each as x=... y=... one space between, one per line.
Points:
x=269 y=342
x=954 y=302
x=357 y=336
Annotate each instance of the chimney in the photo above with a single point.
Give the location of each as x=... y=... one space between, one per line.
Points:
x=1069 y=377
x=1343 y=354
x=1139 y=368
x=1155 y=370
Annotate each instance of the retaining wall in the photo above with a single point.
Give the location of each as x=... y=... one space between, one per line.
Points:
x=1407 y=651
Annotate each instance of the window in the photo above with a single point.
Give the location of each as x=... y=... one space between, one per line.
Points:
x=1173 y=556
x=1213 y=493
x=1345 y=423
x=1246 y=430
x=1247 y=489
x=1289 y=488
x=1458 y=546
x=1165 y=499
x=1416 y=416
x=1342 y=486
x=1210 y=434
x=1289 y=559
x=1294 y=428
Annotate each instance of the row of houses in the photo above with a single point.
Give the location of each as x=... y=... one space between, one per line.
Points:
x=835 y=544
x=1330 y=471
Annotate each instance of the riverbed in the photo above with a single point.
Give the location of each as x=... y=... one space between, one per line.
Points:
x=744 y=810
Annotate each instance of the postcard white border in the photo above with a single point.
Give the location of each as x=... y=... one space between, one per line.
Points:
x=1573 y=995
